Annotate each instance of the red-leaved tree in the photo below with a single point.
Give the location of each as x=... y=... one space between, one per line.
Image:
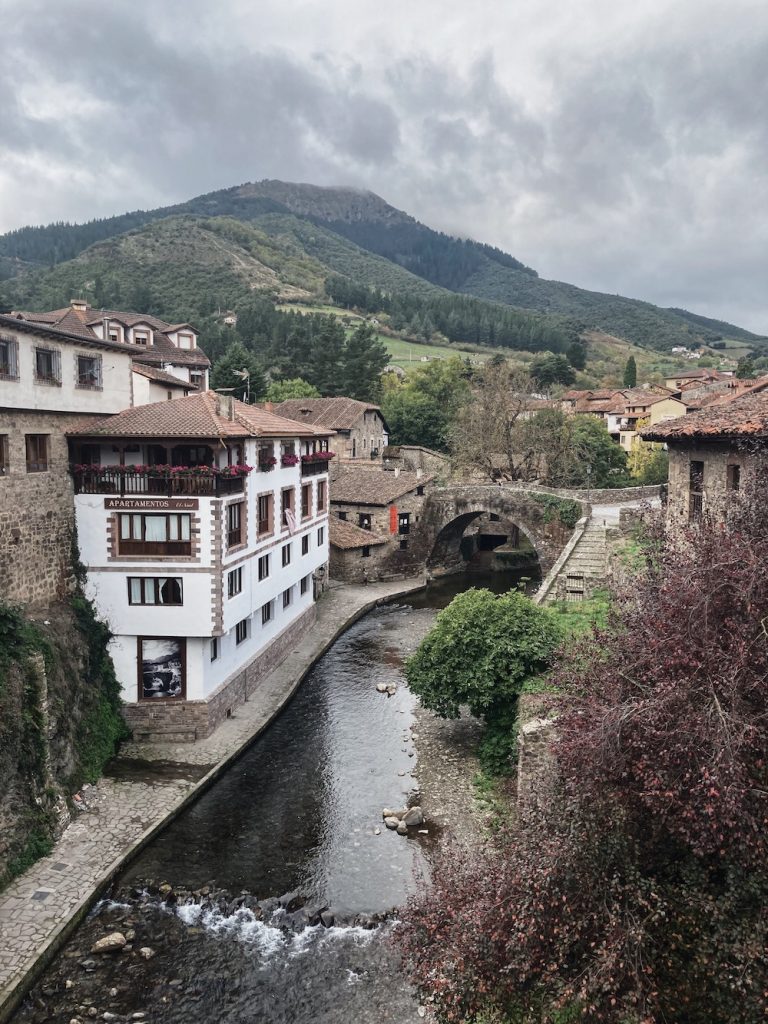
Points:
x=634 y=886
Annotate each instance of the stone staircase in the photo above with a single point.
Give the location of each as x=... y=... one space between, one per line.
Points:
x=584 y=568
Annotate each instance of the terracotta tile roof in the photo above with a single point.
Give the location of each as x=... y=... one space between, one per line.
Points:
x=684 y=374
x=82 y=321
x=56 y=333
x=152 y=373
x=745 y=416
x=336 y=413
x=346 y=535
x=202 y=415
x=373 y=486
x=589 y=406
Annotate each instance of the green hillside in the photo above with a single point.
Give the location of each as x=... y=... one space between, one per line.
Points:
x=285 y=239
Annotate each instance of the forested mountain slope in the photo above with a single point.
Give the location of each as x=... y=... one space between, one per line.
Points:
x=294 y=234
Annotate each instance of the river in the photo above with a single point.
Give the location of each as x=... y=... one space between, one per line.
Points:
x=293 y=828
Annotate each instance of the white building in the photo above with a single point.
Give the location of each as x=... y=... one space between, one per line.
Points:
x=205 y=569
x=171 y=348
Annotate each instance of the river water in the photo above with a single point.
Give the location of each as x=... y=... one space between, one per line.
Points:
x=291 y=830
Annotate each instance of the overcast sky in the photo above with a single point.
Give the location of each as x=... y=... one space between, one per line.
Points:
x=620 y=145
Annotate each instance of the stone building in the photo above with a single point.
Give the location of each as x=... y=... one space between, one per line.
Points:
x=356 y=553
x=203 y=526
x=415 y=458
x=712 y=452
x=361 y=432
x=50 y=379
x=388 y=505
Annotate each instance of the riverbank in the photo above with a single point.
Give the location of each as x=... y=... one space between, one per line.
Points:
x=148 y=786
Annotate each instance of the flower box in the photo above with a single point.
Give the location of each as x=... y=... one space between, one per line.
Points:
x=318 y=457
x=289 y=460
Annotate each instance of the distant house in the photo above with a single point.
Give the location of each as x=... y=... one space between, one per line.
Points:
x=386 y=505
x=361 y=431
x=354 y=551
x=685 y=377
x=712 y=451
x=149 y=340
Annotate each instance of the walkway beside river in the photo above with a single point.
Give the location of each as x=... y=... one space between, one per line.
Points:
x=152 y=784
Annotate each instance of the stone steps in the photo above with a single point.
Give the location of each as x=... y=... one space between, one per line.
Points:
x=586 y=567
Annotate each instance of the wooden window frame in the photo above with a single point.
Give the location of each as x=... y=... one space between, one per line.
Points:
x=322 y=496
x=304 y=586
x=266 y=613
x=403 y=523
x=235 y=535
x=285 y=506
x=306 y=501
x=155 y=582
x=235 y=582
x=321 y=536
x=733 y=476
x=155 y=549
x=305 y=544
x=54 y=380
x=265 y=559
x=241 y=632
x=269 y=497
x=286 y=554
x=37 y=464
x=287 y=597
x=97 y=362
x=214 y=649
x=366 y=551
x=12 y=372
x=365 y=520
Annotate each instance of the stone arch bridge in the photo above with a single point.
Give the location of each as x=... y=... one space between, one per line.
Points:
x=546 y=518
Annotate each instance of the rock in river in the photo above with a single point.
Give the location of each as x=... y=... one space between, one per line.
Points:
x=391 y=822
x=413 y=817
x=111 y=943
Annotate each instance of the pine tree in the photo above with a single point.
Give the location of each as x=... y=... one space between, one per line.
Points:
x=630 y=373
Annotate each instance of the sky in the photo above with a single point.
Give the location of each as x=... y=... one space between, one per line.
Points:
x=621 y=146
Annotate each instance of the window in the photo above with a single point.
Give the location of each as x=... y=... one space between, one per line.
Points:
x=157 y=535
x=241 y=631
x=304 y=584
x=288 y=518
x=403 y=545
x=140 y=339
x=186 y=341
x=214 y=648
x=4 y=465
x=195 y=378
x=89 y=372
x=420 y=490
x=321 y=495
x=235 y=581
x=287 y=597
x=9 y=359
x=47 y=366
x=321 y=536
x=169 y=395
x=266 y=613
x=37 y=453
x=733 y=477
x=364 y=520
x=286 y=554
x=306 y=501
x=263 y=567
x=266 y=502
x=404 y=523
x=154 y=590
x=342 y=516
x=305 y=544
x=366 y=553
x=235 y=517
x=696 y=490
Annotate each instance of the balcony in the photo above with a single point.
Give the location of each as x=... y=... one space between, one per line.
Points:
x=315 y=463
x=165 y=482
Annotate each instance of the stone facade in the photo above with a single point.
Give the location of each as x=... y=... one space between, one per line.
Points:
x=413 y=458
x=350 y=565
x=36 y=511
x=191 y=720
x=718 y=458
x=403 y=554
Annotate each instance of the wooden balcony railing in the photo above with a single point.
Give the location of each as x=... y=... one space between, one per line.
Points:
x=186 y=483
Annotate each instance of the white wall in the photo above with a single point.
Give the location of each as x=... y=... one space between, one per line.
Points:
x=26 y=393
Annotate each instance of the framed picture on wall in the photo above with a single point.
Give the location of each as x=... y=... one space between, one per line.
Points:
x=162 y=663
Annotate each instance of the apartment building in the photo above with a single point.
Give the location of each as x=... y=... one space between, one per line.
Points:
x=203 y=524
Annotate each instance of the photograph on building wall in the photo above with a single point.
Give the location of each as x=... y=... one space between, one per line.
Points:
x=162 y=667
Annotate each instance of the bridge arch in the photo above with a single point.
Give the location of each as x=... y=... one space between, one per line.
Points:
x=449 y=511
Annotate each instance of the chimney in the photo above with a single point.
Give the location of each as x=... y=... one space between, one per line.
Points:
x=225 y=407
x=79 y=306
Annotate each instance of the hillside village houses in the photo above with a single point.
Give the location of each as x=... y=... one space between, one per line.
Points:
x=361 y=433
x=205 y=569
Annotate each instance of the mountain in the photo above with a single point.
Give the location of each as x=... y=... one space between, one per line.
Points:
x=285 y=239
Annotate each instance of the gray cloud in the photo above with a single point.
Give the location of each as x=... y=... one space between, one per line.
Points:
x=623 y=150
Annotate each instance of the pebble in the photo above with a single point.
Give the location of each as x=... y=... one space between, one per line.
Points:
x=377 y=831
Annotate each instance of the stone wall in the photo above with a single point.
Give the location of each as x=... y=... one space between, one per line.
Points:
x=717 y=456
x=390 y=559
x=349 y=566
x=191 y=720
x=597 y=496
x=36 y=511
